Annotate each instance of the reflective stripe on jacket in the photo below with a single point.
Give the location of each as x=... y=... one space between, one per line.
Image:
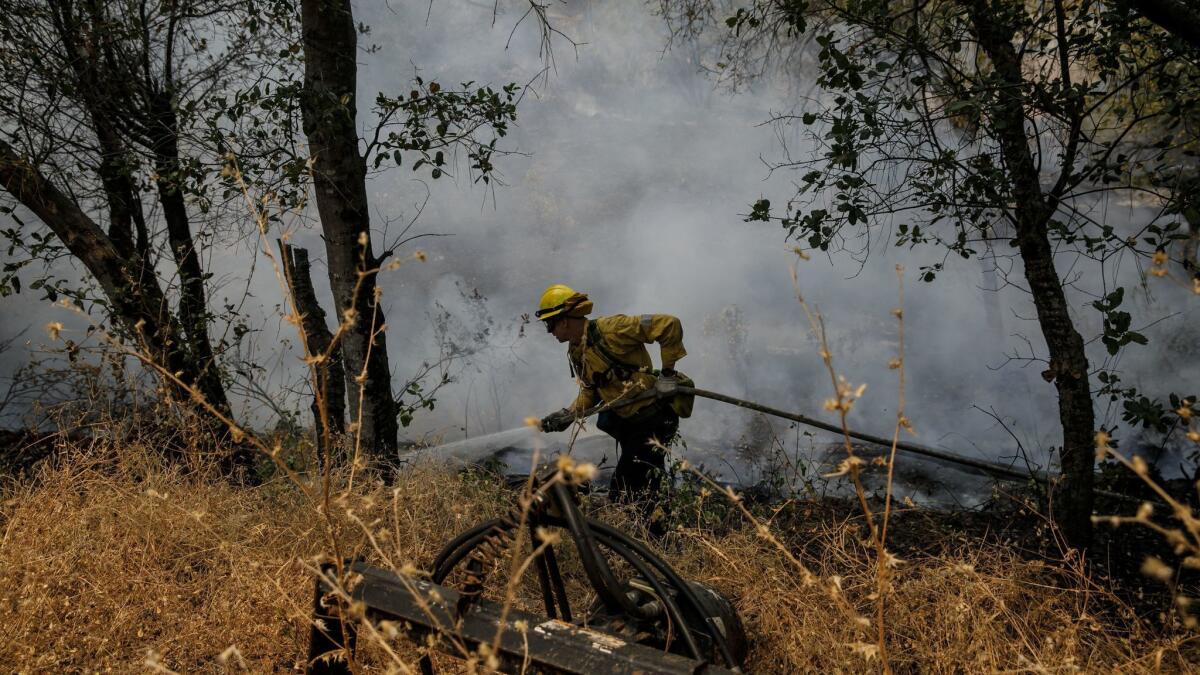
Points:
x=625 y=337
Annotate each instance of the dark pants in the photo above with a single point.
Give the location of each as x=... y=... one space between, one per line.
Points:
x=641 y=467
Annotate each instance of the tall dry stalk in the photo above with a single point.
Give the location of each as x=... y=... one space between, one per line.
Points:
x=842 y=401
x=845 y=396
x=884 y=560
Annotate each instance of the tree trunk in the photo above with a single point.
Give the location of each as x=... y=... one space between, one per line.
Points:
x=329 y=386
x=126 y=217
x=1179 y=18
x=193 y=306
x=1072 y=507
x=133 y=290
x=329 y=110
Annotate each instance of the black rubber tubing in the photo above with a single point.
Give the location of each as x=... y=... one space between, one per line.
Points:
x=594 y=565
x=617 y=544
x=990 y=468
x=609 y=532
x=462 y=545
x=987 y=467
x=458 y=541
x=674 y=614
x=462 y=551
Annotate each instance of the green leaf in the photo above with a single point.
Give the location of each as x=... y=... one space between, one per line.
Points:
x=760 y=211
x=959 y=106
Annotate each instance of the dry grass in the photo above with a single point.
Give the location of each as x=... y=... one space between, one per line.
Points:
x=110 y=563
x=979 y=610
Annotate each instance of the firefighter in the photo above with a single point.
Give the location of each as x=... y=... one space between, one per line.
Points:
x=609 y=359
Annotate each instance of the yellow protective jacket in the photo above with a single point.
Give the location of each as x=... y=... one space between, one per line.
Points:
x=625 y=337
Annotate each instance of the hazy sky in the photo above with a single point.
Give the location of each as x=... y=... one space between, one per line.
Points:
x=632 y=180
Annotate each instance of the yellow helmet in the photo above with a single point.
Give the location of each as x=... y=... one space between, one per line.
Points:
x=554 y=301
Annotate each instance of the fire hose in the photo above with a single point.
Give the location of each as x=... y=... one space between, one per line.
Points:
x=990 y=468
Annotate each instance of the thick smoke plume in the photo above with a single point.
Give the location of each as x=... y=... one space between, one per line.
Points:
x=631 y=180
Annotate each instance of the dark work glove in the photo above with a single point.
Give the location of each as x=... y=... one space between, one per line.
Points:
x=558 y=421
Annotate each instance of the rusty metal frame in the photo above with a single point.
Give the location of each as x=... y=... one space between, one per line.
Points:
x=428 y=613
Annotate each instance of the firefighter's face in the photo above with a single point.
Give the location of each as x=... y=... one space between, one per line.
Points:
x=566 y=329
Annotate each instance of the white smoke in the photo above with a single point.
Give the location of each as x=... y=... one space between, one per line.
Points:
x=634 y=178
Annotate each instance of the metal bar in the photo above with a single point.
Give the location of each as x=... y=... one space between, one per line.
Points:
x=326 y=655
